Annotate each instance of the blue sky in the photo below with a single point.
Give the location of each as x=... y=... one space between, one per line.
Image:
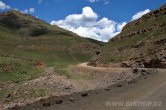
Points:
x=115 y=11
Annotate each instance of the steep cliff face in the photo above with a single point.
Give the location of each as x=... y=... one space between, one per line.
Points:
x=142 y=43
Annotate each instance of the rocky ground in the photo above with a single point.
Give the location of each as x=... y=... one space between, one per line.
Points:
x=51 y=84
x=146 y=92
x=148 y=86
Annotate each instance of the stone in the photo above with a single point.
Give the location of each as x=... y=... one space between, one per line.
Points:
x=46 y=104
x=8 y=96
x=135 y=71
x=59 y=101
x=84 y=94
x=107 y=89
x=119 y=85
x=71 y=99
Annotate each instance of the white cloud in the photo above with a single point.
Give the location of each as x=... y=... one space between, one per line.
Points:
x=39 y=2
x=140 y=14
x=87 y=24
x=106 y=2
x=93 y=1
x=3 y=6
x=26 y=11
x=120 y=26
x=30 y=10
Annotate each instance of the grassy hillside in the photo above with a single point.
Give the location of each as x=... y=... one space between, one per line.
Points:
x=142 y=43
x=28 y=45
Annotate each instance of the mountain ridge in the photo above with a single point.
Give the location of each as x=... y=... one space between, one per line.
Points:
x=27 y=41
x=140 y=44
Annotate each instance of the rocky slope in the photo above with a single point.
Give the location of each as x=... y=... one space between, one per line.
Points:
x=142 y=43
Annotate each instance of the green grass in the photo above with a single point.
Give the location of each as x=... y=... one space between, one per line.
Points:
x=2 y=94
x=20 y=93
x=146 y=24
x=15 y=71
x=21 y=46
x=111 y=54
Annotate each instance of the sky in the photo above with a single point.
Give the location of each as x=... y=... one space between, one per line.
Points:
x=97 y=19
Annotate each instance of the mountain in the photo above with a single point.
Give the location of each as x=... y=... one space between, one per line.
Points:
x=142 y=43
x=27 y=43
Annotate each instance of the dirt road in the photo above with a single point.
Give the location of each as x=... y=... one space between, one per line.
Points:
x=147 y=93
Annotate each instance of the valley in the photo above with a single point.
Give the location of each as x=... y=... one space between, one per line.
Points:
x=45 y=67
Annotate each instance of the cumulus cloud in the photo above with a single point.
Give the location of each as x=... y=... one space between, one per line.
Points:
x=87 y=24
x=3 y=6
x=140 y=14
x=30 y=10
